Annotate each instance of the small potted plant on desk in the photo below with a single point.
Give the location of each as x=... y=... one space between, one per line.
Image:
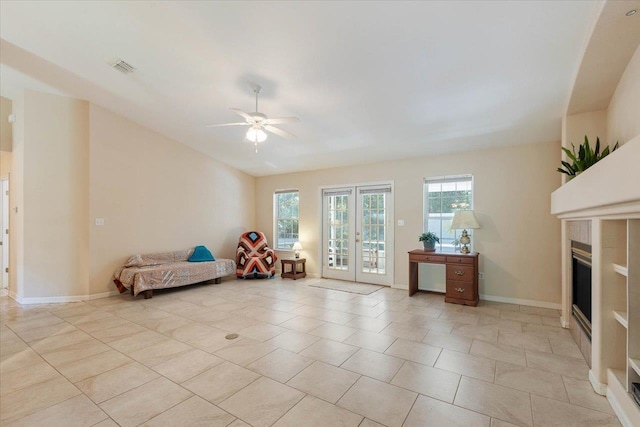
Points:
x=429 y=241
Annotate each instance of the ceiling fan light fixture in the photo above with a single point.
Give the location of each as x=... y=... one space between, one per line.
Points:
x=256 y=135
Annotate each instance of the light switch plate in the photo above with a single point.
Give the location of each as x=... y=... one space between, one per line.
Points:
x=99 y=221
x=481 y=275
x=401 y=223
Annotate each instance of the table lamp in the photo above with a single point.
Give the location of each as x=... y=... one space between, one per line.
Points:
x=461 y=221
x=297 y=247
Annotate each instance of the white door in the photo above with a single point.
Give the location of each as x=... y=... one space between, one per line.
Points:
x=4 y=238
x=338 y=231
x=358 y=234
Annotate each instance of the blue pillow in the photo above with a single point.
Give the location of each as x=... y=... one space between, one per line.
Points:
x=201 y=254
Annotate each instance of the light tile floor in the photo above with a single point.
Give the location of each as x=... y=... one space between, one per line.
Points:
x=305 y=356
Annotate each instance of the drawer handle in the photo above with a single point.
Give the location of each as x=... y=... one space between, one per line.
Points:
x=428 y=258
x=460 y=290
x=459 y=273
x=459 y=259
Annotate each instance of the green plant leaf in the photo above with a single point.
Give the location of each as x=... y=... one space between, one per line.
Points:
x=569 y=168
x=569 y=154
x=597 y=148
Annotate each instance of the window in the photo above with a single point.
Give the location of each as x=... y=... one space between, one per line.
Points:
x=442 y=197
x=286 y=218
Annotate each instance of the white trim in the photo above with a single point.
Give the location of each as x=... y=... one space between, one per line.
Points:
x=598 y=387
x=529 y=302
x=69 y=298
x=620 y=413
x=564 y=323
x=103 y=295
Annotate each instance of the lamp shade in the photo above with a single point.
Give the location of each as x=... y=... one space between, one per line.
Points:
x=297 y=246
x=463 y=220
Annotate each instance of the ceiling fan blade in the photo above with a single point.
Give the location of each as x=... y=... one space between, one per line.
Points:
x=279 y=132
x=279 y=120
x=229 y=124
x=247 y=116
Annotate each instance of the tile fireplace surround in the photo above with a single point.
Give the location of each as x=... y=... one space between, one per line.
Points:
x=601 y=207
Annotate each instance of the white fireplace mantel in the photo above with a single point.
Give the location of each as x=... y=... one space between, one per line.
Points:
x=610 y=187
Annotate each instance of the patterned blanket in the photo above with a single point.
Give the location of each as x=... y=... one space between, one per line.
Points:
x=168 y=270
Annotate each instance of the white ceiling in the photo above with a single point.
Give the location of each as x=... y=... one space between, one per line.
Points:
x=369 y=81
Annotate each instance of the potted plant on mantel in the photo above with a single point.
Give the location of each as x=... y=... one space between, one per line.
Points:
x=584 y=158
x=429 y=241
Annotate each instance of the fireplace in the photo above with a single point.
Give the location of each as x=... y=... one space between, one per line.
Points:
x=581 y=285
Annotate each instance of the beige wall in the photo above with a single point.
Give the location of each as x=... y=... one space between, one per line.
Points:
x=5 y=163
x=55 y=207
x=6 y=131
x=156 y=194
x=74 y=161
x=592 y=124
x=16 y=198
x=518 y=241
x=623 y=120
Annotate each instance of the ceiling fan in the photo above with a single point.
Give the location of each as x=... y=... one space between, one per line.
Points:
x=259 y=123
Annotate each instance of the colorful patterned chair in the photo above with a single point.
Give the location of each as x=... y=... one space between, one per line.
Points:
x=254 y=258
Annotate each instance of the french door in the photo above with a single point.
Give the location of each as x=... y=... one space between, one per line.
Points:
x=357 y=234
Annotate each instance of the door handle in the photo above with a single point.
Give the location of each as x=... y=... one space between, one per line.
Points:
x=459 y=273
x=357 y=240
x=460 y=290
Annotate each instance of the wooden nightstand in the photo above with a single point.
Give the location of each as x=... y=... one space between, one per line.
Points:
x=462 y=279
x=462 y=274
x=293 y=273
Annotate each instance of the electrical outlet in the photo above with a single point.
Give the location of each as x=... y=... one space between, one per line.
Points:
x=401 y=223
x=99 y=221
x=481 y=275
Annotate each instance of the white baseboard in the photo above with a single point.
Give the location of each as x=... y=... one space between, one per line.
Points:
x=530 y=302
x=56 y=300
x=620 y=413
x=598 y=387
x=103 y=295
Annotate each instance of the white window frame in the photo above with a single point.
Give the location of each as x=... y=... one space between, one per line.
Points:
x=278 y=245
x=425 y=212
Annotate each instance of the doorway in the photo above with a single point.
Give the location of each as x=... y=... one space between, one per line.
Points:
x=4 y=232
x=357 y=233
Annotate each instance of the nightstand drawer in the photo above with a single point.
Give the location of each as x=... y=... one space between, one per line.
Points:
x=463 y=273
x=460 y=259
x=427 y=258
x=460 y=290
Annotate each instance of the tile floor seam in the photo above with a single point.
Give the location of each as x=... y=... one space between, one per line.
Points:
x=481 y=413
x=577 y=404
x=290 y=409
x=410 y=409
x=179 y=403
x=116 y=395
x=230 y=396
x=533 y=423
x=566 y=391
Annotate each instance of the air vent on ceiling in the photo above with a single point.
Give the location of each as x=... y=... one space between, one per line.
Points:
x=123 y=66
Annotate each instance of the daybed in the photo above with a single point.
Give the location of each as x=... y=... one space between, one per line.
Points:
x=144 y=273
